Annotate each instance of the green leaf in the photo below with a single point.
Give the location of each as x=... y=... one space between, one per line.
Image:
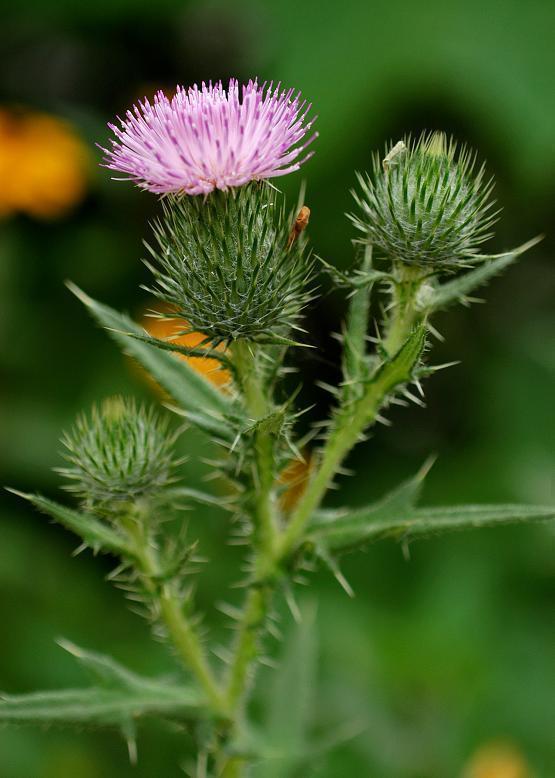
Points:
x=94 y=532
x=400 y=367
x=104 y=668
x=287 y=746
x=396 y=517
x=453 y=291
x=187 y=351
x=97 y=706
x=120 y=698
x=185 y=493
x=201 y=402
x=284 y=744
x=426 y=521
x=340 y=530
x=358 y=278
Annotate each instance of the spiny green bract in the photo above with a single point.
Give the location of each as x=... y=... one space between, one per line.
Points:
x=425 y=204
x=121 y=452
x=225 y=265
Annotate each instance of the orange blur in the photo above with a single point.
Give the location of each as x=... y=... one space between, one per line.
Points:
x=43 y=165
x=166 y=329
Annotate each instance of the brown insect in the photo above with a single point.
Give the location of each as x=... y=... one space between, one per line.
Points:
x=301 y=223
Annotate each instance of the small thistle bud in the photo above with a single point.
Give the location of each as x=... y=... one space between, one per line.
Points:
x=425 y=204
x=226 y=264
x=120 y=453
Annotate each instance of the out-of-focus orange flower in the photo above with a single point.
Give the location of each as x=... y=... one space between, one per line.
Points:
x=497 y=760
x=294 y=478
x=165 y=329
x=43 y=165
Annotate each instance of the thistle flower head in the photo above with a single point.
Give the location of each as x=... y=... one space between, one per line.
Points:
x=211 y=138
x=121 y=452
x=425 y=203
x=228 y=264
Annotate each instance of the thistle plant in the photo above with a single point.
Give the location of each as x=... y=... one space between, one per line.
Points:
x=230 y=261
x=121 y=453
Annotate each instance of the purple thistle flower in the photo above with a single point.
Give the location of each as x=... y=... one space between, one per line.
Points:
x=207 y=138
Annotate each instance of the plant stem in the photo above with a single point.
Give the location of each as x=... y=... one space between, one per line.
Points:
x=404 y=313
x=180 y=630
x=254 y=389
x=352 y=422
x=254 y=615
x=189 y=647
x=251 y=383
x=274 y=546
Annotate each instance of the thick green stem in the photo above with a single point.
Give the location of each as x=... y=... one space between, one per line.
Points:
x=246 y=648
x=180 y=630
x=190 y=649
x=404 y=313
x=251 y=383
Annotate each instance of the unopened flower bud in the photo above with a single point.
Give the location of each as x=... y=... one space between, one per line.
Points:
x=425 y=204
x=120 y=453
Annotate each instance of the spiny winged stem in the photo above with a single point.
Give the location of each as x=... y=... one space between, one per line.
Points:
x=402 y=349
x=254 y=613
x=251 y=382
x=407 y=281
x=255 y=394
x=180 y=630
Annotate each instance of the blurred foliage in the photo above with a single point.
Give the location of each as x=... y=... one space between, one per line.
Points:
x=437 y=656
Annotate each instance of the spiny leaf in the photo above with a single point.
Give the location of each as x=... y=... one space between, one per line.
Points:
x=97 y=706
x=452 y=291
x=287 y=747
x=285 y=743
x=121 y=697
x=399 y=368
x=393 y=519
x=359 y=278
x=344 y=529
x=104 y=669
x=185 y=493
x=271 y=424
x=446 y=519
x=187 y=351
x=205 y=405
x=95 y=533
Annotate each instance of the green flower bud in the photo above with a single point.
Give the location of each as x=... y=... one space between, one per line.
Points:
x=120 y=453
x=425 y=204
x=225 y=263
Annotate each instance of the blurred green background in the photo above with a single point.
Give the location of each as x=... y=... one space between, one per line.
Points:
x=436 y=657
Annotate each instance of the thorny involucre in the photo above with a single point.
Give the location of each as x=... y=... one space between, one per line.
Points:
x=426 y=204
x=208 y=138
x=121 y=451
